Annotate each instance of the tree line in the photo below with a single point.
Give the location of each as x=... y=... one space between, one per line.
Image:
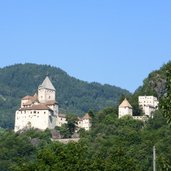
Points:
x=73 y=95
x=111 y=145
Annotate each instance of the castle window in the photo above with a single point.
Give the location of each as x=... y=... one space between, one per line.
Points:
x=34 y=111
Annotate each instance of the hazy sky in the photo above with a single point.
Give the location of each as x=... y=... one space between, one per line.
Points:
x=107 y=41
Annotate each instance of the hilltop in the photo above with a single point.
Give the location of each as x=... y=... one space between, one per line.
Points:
x=155 y=83
x=125 y=143
x=73 y=95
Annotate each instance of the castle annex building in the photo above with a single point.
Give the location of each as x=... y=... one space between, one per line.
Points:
x=41 y=111
x=148 y=104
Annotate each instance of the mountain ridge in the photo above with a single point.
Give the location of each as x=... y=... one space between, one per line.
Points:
x=74 y=96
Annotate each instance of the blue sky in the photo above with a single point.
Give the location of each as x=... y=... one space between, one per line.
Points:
x=107 y=41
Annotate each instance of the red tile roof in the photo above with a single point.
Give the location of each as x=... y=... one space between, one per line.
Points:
x=27 y=98
x=36 y=107
x=50 y=102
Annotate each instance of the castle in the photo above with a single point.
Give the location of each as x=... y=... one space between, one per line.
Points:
x=41 y=111
x=148 y=104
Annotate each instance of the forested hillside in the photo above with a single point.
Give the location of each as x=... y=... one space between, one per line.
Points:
x=73 y=95
x=153 y=85
x=111 y=145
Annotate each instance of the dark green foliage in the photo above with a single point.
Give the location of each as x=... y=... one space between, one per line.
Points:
x=165 y=102
x=14 y=149
x=73 y=95
x=68 y=129
x=136 y=138
x=111 y=145
x=72 y=122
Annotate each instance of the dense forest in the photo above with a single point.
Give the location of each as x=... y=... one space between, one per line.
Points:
x=112 y=144
x=73 y=95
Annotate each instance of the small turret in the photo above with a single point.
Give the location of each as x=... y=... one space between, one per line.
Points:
x=125 y=108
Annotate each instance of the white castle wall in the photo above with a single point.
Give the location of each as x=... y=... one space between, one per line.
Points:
x=41 y=119
x=123 y=111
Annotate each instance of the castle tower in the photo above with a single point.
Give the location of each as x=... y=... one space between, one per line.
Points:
x=46 y=91
x=125 y=109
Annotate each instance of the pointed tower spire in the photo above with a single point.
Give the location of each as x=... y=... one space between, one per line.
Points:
x=125 y=103
x=125 y=109
x=46 y=91
x=47 y=84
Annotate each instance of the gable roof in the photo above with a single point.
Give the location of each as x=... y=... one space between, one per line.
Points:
x=36 y=107
x=27 y=98
x=86 y=116
x=47 y=84
x=51 y=102
x=125 y=103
